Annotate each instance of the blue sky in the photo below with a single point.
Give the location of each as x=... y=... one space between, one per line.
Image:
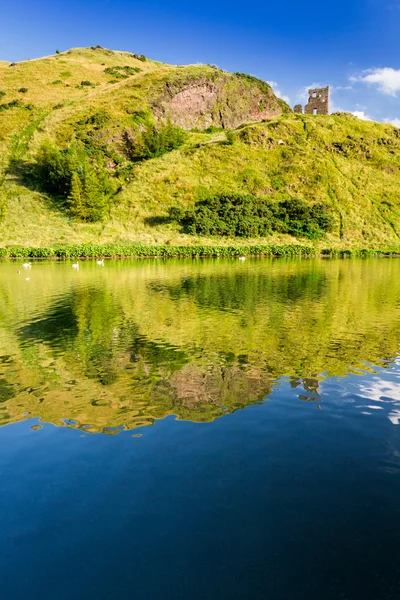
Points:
x=354 y=45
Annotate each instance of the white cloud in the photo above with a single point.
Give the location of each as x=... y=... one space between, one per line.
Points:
x=340 y=88
x=385 y=392
x=395 y=122
x=386 y=79
x=278 y=91
x=360 y=114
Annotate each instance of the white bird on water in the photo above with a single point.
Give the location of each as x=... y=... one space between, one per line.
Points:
x=26 y=265
x=100 y=263
x=75 y=266
x=242 y=258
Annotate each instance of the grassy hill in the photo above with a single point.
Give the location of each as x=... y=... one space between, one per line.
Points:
x=239 y=138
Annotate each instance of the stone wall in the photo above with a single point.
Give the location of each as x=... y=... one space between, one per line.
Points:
x=318 y=102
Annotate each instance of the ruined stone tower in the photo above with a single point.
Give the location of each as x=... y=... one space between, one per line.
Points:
x=318 y=102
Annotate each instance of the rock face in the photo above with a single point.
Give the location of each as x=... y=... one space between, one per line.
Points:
x=222 y=100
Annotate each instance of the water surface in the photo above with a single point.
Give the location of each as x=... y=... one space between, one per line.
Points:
x=200 y=429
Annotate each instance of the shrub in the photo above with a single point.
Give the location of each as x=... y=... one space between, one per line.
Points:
x=86 y=83
x=2 y=93
x=119 y=72
x=57 y=82
x=149 y=141
x=12 y=104
x=230 y=138
x=23 y=90
x=246 y=215
x=296 y=217
x=58 y=52
x=68 y=173
x=140 y=57
x=139 y=250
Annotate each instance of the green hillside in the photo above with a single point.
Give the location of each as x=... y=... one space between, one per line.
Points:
x=230 y=134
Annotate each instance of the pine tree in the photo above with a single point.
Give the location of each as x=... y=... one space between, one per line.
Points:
x=94 y=199
x=75 y=198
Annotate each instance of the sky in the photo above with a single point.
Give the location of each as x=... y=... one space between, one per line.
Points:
x=352 y=45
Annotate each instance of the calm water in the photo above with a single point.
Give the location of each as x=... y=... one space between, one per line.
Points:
x=200 y=430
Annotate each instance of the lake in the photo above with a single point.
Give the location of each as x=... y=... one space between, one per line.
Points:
x=216 y=429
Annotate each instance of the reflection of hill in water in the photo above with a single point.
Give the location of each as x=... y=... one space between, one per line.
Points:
x=133 y=342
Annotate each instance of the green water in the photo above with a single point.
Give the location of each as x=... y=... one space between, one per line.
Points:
x=122 y=345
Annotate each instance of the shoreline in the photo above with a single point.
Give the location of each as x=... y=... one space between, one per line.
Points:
x=88 y=251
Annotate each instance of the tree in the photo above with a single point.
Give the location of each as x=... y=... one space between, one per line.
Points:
x=75 y=198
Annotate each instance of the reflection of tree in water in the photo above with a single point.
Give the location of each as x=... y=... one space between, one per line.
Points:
x=238 y=291
x=196 y=345
x=91 y=332
x=81 y=328
x=95 y=340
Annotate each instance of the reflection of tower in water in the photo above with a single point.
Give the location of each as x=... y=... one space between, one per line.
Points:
x=310 y=385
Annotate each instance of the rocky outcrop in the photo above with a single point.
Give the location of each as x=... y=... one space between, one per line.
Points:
x=217 y=99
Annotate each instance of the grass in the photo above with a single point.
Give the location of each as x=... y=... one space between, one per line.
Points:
x=352 y=165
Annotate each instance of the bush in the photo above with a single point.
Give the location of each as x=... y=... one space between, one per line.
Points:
x=230 y=138
x=2 y=93
x=139 y=250
x=58 y=52
x=149 y=141
x=246 y=215
x=68 y=173
x=296 y=217
x=12 y=104
x=23 y=90
x=86 y=83
x=119 y=72
x=140 y=57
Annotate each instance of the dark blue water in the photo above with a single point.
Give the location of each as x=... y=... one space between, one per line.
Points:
x=294 y=496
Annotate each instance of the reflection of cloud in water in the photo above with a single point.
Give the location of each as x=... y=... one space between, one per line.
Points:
x=385 y=392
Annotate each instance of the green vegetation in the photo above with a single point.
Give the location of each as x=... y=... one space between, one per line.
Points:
x=119 y=72
x=140 y=57
x=250 y=80
x=11 y=104
x=142 y=251
x=23 y=90
x=87 y=83
x=125 y=133
x=69 y=174
x=245 y=215
x=148 y=141
x=113 y=250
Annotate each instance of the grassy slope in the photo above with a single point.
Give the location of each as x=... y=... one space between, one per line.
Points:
x=352 y=164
